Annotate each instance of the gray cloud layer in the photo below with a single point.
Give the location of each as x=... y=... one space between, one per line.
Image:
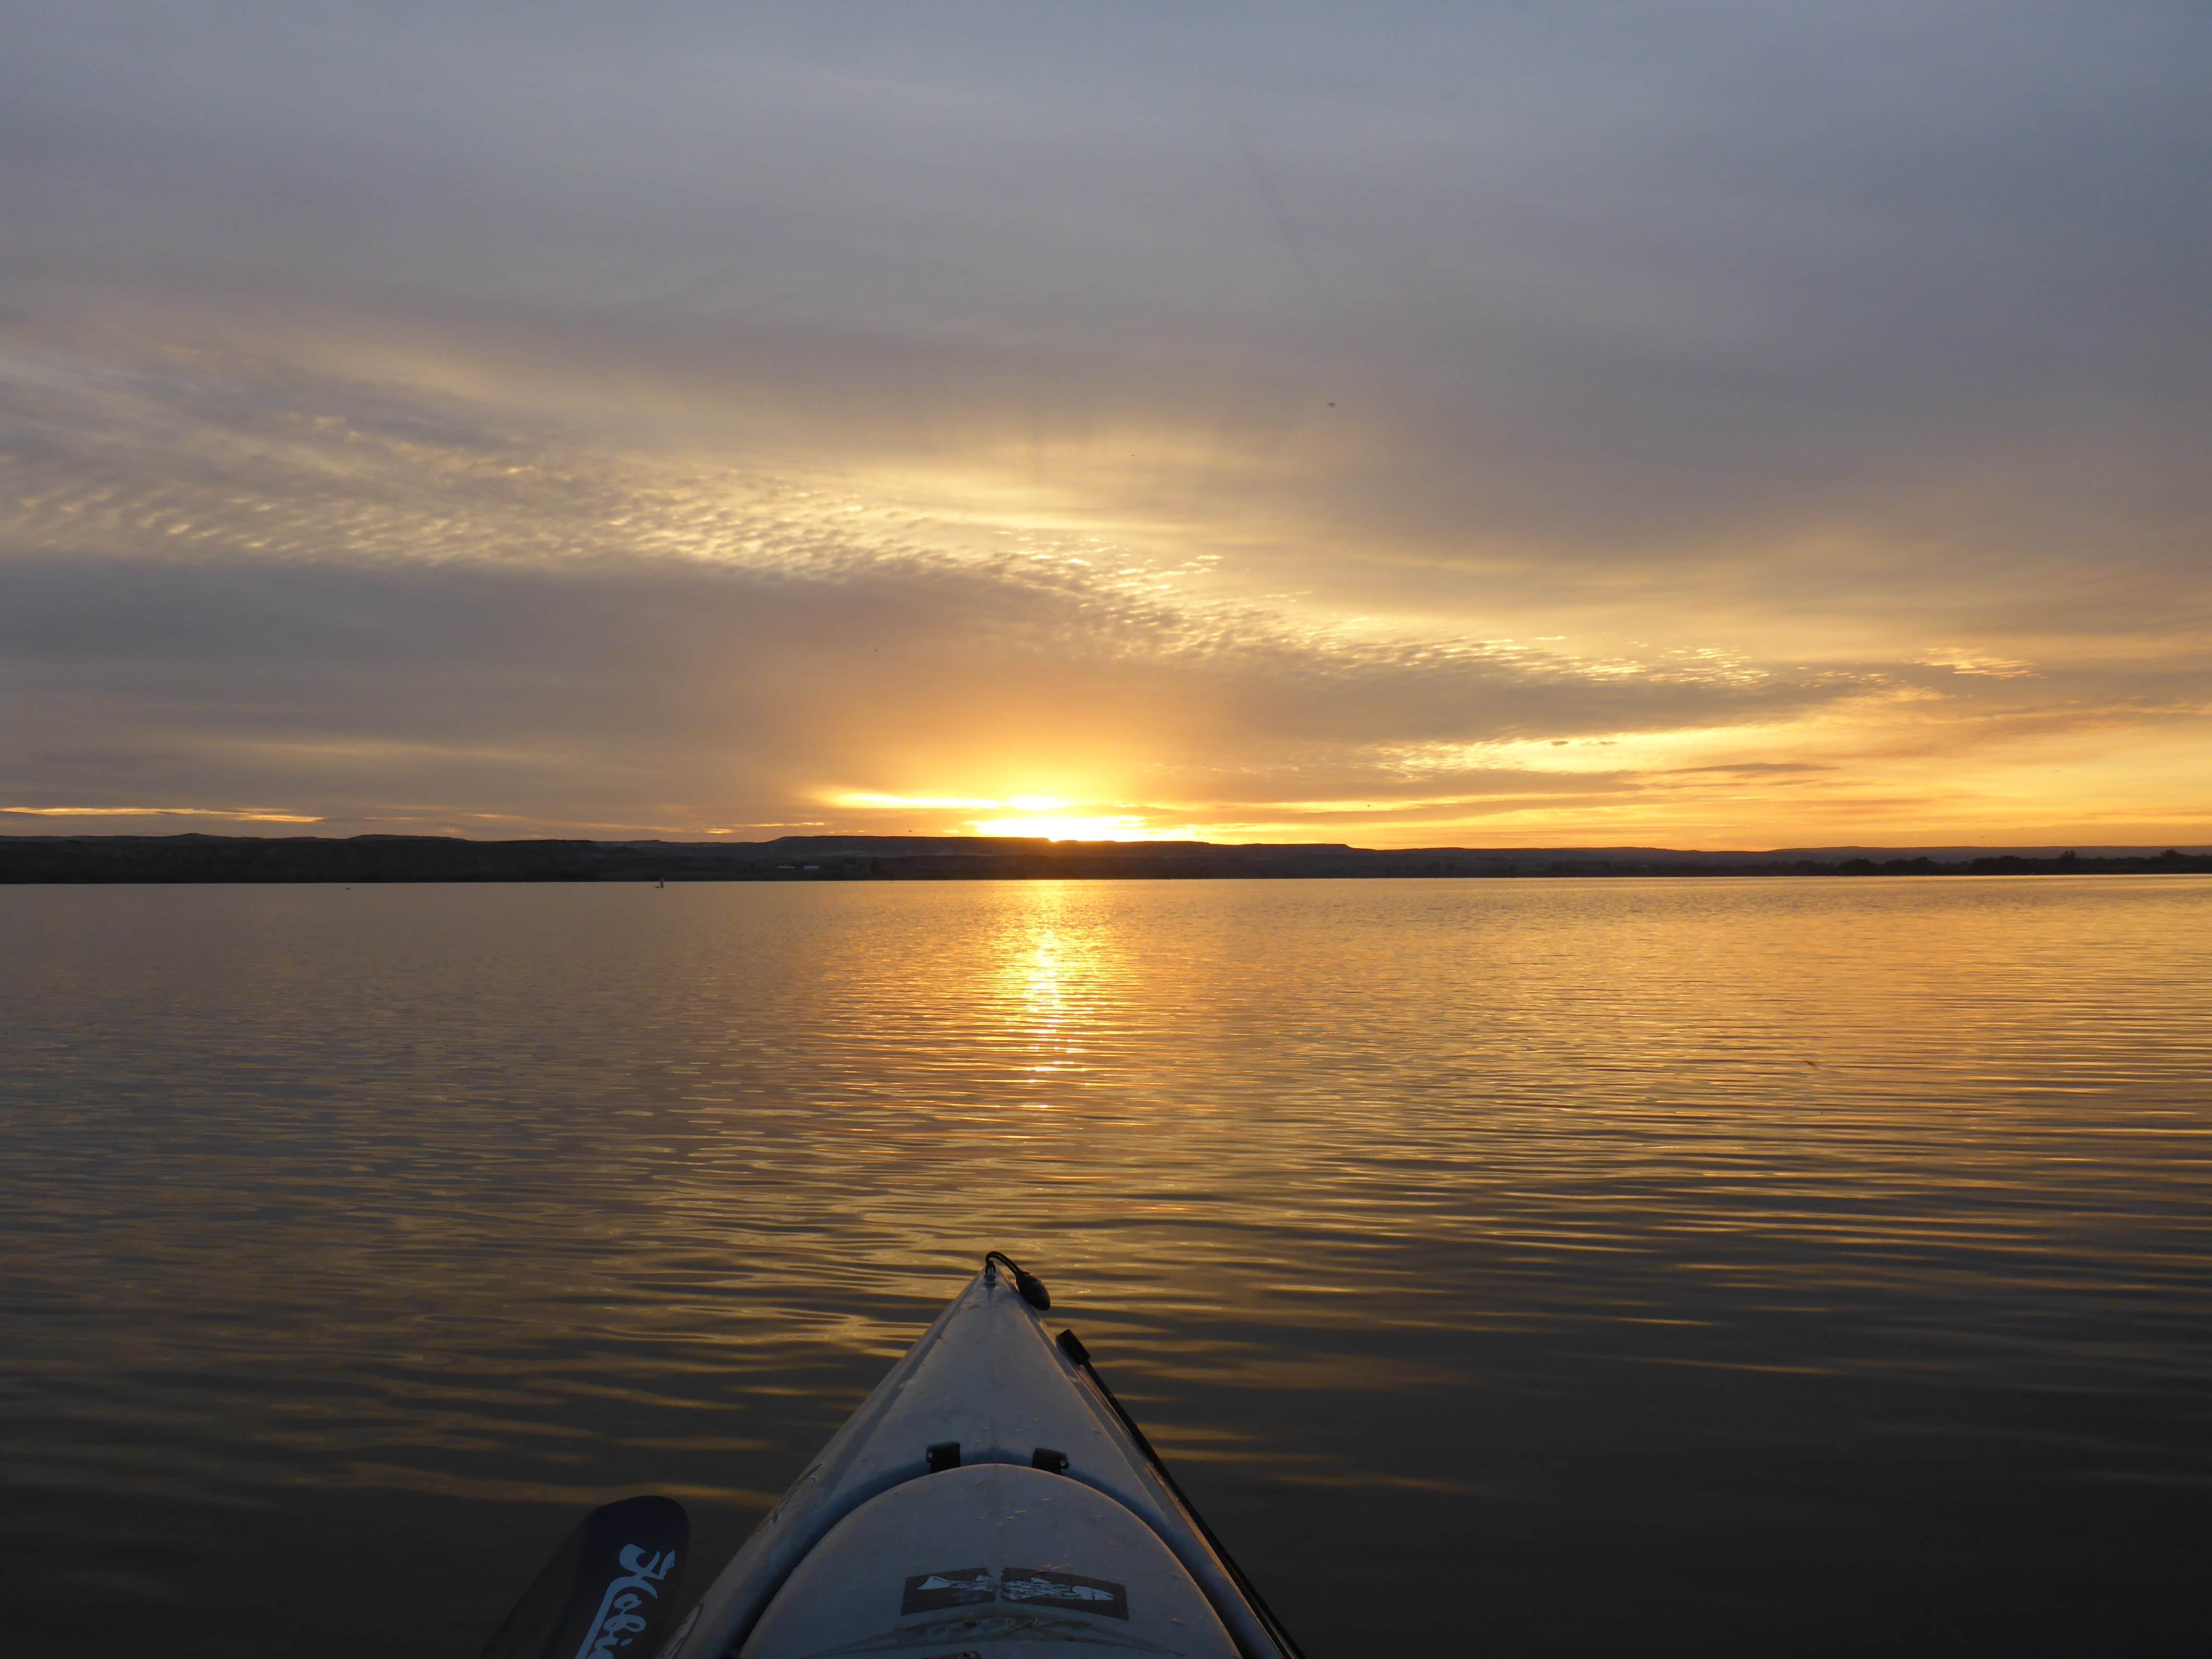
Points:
x=262 y=590
x=637 y=416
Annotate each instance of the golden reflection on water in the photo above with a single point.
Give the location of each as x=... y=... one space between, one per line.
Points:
x=498 y=1196
x=1056 y=976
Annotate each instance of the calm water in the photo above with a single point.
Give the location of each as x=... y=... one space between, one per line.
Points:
x=1540 y=1268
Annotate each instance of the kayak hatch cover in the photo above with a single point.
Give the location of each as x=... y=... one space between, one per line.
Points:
x=989 y=1497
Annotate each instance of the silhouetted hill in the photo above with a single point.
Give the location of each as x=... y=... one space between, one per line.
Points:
x=364 y=859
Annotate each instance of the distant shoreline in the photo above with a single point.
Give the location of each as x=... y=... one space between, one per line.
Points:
x=191 y=859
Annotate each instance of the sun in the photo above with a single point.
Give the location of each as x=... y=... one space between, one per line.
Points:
x=1121 y=827
x=1045 y=817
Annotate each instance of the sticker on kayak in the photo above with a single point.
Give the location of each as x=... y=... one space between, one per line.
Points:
x=960 y=1632
x=956 y=1587
x=960 y=1587
x=1064 y=1589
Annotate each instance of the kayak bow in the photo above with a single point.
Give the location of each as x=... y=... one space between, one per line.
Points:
x=990 y=1495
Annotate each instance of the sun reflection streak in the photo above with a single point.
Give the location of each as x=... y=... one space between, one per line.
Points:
x=1055 y=978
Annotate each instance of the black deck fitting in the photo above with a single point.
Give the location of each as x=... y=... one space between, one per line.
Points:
x=1032 y=1287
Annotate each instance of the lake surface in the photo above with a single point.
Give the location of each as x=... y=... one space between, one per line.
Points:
x=1803 y=1266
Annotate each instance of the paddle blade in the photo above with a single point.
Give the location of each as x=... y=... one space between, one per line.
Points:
x=609 y=1591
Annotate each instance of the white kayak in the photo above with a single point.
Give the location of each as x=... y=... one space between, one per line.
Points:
x=991 y=1496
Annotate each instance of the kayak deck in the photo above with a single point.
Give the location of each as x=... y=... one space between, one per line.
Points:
x=991 y=1553
x=988 y=1496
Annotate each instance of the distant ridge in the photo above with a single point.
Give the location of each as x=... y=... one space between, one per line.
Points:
x=383 y=858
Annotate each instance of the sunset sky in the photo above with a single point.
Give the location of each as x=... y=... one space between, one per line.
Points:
x=1706 y=425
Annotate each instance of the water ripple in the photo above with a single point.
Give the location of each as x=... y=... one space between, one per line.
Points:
x=1697 y=1253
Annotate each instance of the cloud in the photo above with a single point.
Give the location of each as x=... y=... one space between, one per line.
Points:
x=272 y=587
x=1721 y=415
x=235 y=814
